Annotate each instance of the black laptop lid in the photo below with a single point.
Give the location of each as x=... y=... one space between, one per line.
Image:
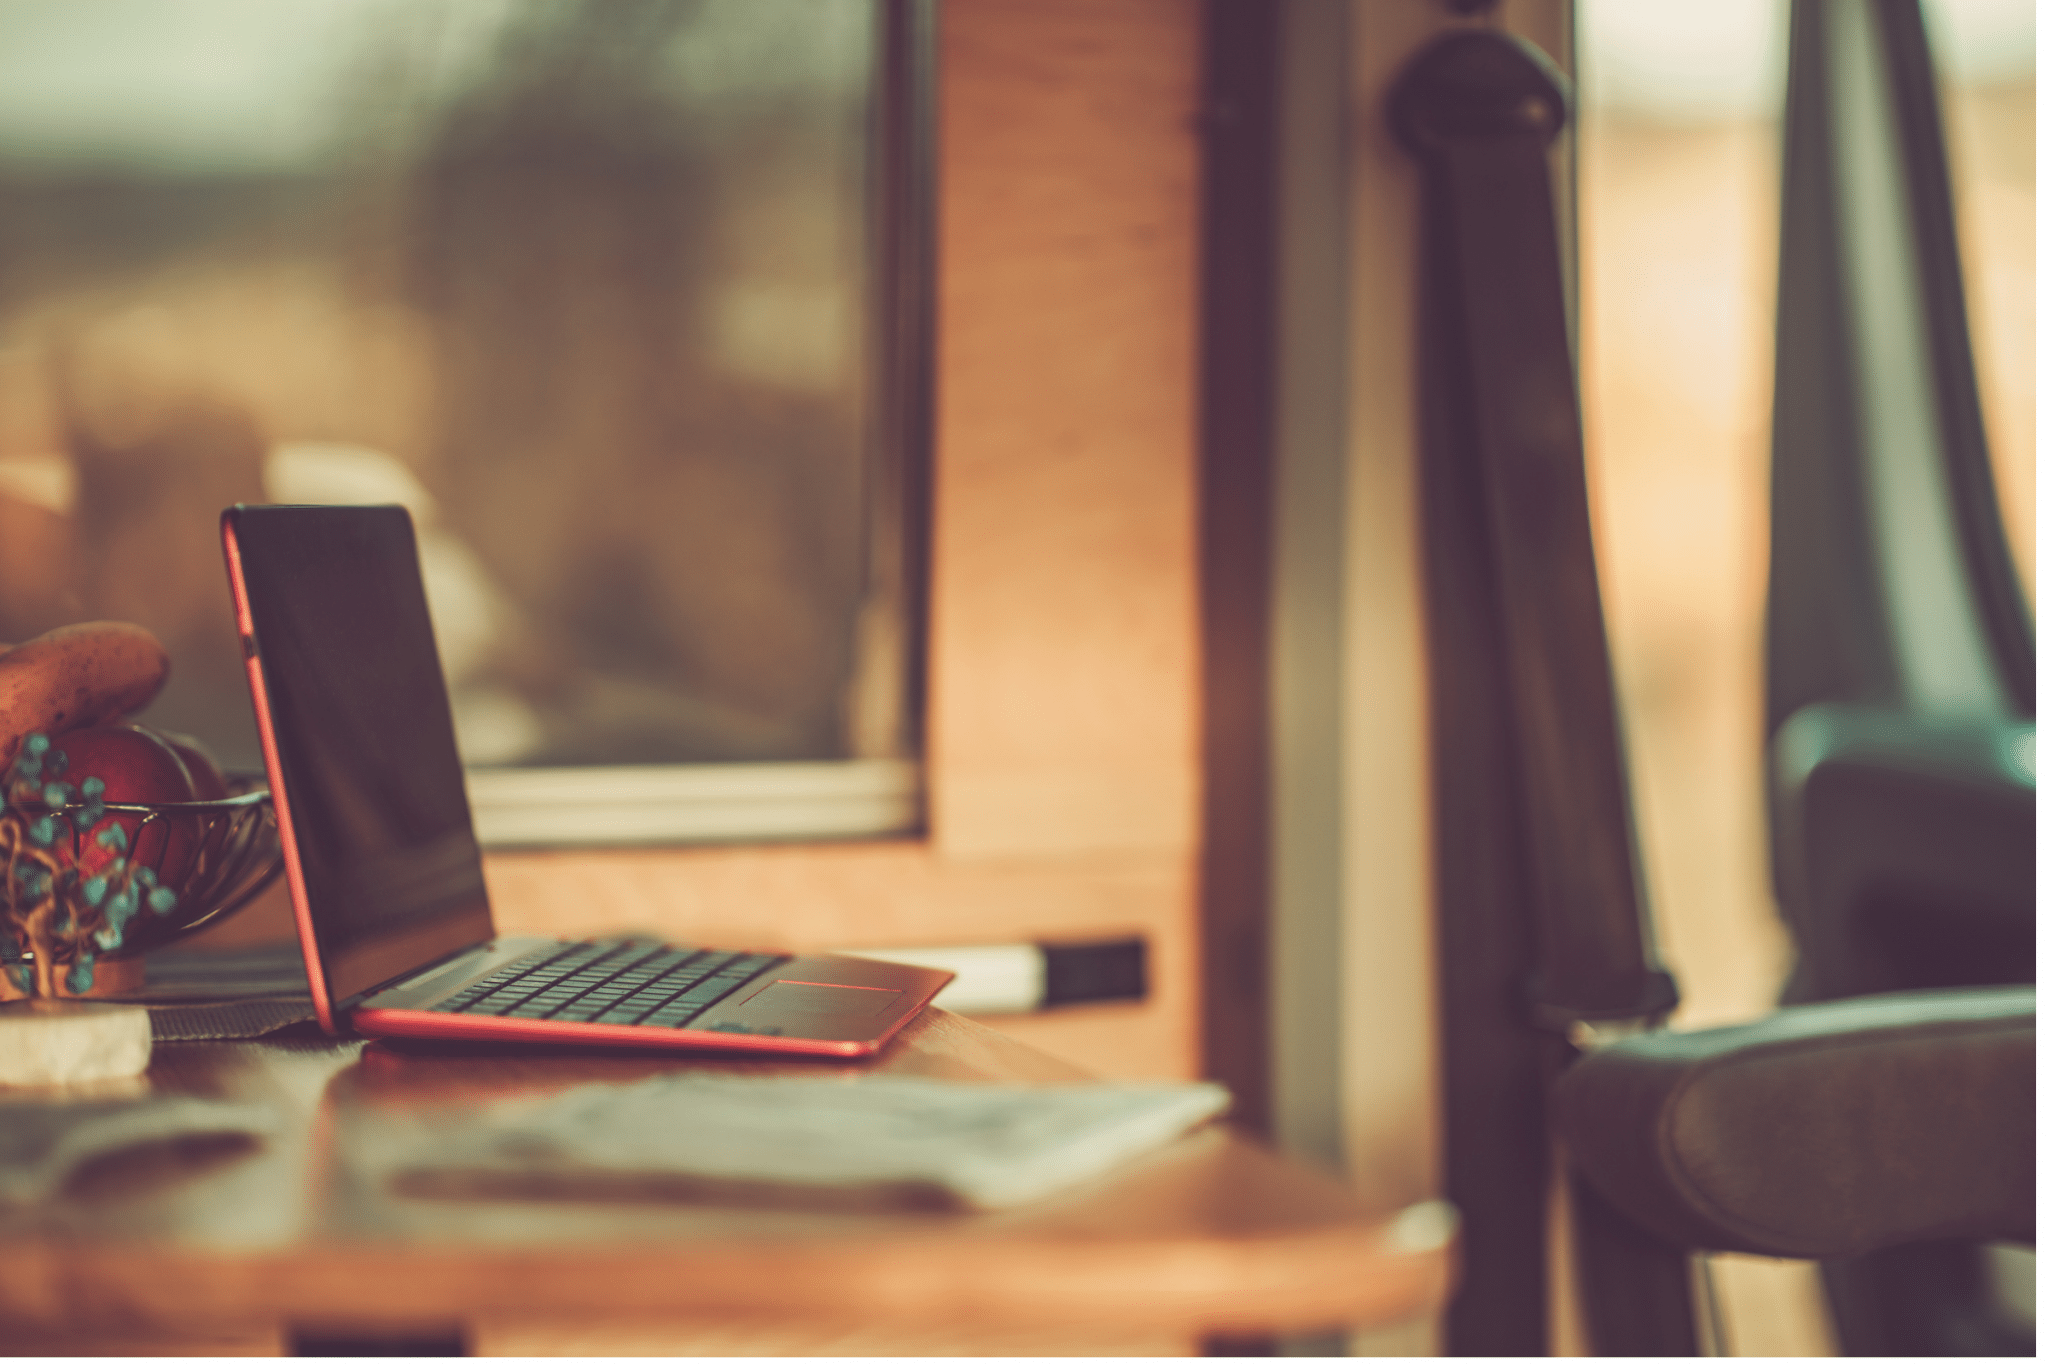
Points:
x=364 y=739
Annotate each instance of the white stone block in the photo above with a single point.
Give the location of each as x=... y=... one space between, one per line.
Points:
x=65 y=1042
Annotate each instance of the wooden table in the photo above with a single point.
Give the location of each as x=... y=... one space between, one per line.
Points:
x=224 y=1249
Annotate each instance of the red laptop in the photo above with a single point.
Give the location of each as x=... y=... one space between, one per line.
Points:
x=386 y=878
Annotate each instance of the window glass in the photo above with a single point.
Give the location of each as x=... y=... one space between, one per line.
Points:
x=1678 y=165
x=587 y=286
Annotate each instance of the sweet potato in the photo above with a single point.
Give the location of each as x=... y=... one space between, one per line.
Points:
x=77 y=676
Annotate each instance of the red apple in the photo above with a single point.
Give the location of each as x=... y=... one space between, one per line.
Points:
x=208 y=782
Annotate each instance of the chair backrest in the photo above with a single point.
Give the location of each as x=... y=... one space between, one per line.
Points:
x=1539 y=893
x=1891 y=583
x=1900 y=654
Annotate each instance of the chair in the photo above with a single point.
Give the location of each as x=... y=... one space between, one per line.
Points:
x=1830 y=1129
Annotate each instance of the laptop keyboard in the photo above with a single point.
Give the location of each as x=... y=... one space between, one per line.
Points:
x=611 y=983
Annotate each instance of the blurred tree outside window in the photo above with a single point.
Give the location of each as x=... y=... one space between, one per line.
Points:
x=589 y=285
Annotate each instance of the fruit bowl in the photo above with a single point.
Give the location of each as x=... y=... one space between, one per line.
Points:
x=88 y=884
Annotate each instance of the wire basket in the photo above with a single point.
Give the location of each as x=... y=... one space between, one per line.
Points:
x=85 y=882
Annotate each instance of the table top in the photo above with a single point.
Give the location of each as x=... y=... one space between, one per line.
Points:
x=1210 y=1234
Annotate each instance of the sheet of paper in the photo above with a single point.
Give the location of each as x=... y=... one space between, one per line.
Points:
x=897 y=1138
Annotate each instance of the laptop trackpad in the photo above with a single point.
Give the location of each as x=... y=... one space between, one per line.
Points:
x=808 y=997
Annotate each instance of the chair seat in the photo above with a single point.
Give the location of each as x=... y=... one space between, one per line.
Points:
x=1819 y=1131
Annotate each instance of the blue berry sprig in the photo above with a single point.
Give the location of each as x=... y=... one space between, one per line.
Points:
x=46 y=906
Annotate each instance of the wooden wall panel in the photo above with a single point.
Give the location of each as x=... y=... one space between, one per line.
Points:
x=1063 y=625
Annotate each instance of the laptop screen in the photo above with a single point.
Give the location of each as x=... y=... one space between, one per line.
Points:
x=364 y=740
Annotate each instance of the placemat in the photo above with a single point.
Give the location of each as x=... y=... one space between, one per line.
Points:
x=226 y=1019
